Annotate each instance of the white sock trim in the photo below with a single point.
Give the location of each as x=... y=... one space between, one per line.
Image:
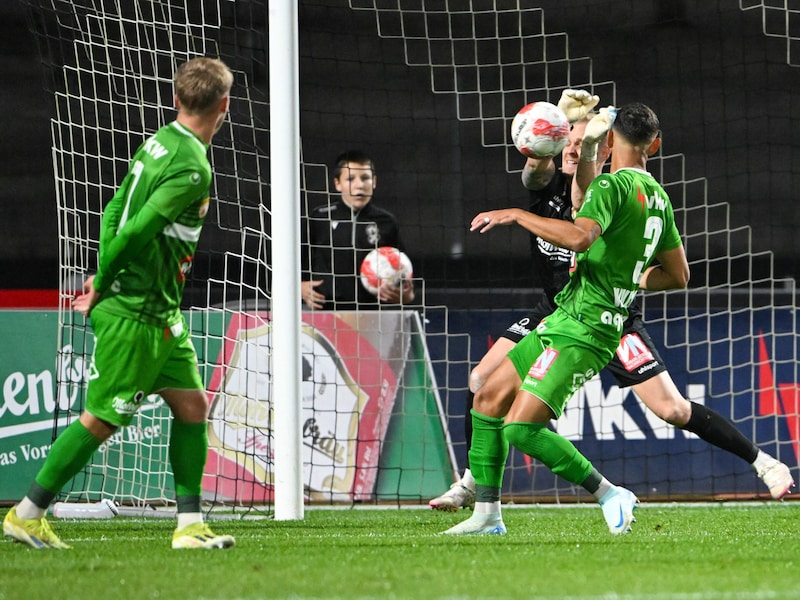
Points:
x=605 y=487
x=761 y=458
x=468 y=481
x=26 y=509
x=186 y=519
x=487 y=508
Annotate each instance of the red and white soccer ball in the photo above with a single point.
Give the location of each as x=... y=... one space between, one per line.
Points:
x=385 y=264
x=540 y=129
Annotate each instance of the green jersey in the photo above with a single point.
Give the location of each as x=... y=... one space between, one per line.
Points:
x=637 y=222
x=151 y=226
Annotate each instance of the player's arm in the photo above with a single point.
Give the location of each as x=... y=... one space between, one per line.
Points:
x=537 y=172
x=594 y=153
x=137 y=232
x=119 y=251
x=577 y=236
x=672 y=272
x=163 y=207
x=584 y=175
x=110 y=221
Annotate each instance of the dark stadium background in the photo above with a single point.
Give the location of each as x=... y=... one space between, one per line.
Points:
x=725 y=93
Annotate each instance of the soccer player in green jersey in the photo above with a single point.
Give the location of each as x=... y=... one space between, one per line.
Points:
x=148 y=237
x=625 y=239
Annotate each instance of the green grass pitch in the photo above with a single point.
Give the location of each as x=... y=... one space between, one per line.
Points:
x=675 y=552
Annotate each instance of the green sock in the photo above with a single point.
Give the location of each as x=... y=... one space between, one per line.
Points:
x=555 y=451
x=188 y=449
x=68 y=455
x=487 y=456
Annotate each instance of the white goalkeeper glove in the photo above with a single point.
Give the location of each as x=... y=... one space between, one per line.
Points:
x=596 y=131
x=576 y=104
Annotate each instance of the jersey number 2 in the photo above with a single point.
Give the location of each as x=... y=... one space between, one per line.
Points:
x=652 y=232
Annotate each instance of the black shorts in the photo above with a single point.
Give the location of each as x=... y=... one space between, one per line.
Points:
x=635 y=361
x=522 y=327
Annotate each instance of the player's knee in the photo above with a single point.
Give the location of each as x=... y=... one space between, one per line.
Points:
x=481 y=401
x=476 y=380
x=189 y=406
x=489 y=403
x=674 y=410
x=680 y=413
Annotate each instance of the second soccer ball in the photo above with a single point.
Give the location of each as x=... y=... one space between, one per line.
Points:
x=384 y=265
x=540 y=129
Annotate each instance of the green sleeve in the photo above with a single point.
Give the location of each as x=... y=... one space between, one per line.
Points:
x=140 y=229
x=601 y=201
x=174 y=194
x=110 y=220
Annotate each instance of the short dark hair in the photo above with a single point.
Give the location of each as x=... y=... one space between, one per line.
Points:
x=351 y=156
x=637 y=123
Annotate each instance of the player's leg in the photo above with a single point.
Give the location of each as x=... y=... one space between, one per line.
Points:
x=182 y=389
x=647 y=375
x=26 y=521
x=462 y=492
x=661 y=396
x=489 y=451
x=547 y=385
x=112 y=398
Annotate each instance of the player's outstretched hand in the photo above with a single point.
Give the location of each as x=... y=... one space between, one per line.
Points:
x=484 y=221
x=596 y=131
x=576 y=104
x=600 y=125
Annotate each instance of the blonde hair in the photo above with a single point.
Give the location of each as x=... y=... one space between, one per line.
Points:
x=201 y=83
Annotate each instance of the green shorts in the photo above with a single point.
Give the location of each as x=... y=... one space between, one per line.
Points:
x=558 y=357
x=132 y=360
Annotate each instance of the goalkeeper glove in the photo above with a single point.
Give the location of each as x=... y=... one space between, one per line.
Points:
x=576 y=104
x=596 y=131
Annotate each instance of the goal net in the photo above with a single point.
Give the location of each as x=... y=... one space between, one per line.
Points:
x=428 y=89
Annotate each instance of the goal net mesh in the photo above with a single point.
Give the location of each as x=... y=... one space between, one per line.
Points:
x=428 y=88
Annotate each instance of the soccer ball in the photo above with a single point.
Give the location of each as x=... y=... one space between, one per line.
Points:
x=384 y=264
x=540 y=129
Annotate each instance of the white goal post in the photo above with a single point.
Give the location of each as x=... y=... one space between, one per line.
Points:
x=285 y=182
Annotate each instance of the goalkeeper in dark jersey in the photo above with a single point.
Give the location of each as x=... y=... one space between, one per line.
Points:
x=554 y=192
x=625 y=239
x=148 y=237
